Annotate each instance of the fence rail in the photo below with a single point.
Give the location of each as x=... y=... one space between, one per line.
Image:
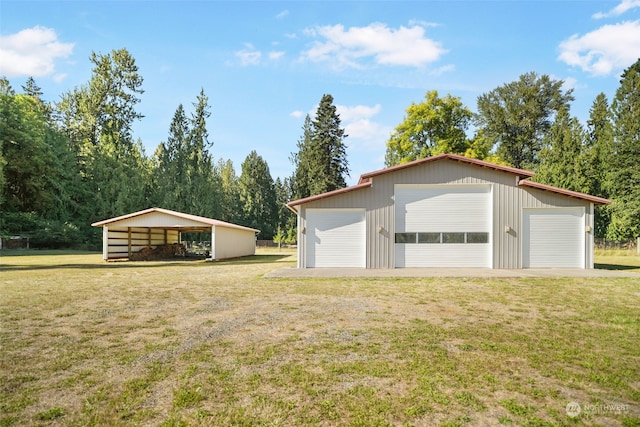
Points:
x=630 y=244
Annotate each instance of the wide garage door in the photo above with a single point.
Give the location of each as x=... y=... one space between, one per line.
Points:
x=553 y=237
x=443 y=226
x=335 y=238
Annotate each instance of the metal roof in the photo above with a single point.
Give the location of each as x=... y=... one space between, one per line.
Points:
x=329 y=194
x=205 y=221
x=366 y=179
x=575 y=194
x=456 y=157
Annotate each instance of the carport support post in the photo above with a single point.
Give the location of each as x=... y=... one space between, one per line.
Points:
x=213 y=243
x=105 y=243
x=129 y=242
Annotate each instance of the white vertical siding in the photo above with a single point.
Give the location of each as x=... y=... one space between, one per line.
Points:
x=508 y=202
x=233 y=242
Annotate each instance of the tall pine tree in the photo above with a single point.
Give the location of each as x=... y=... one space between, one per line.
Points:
x=258 y=196
x=321 y=162
x=623 y=178
x=596 y=159
x=561 y=156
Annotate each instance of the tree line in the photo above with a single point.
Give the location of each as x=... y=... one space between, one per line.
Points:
x=527 y=124
x=66 y=164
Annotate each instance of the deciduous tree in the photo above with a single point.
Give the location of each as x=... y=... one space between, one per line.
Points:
x=435 y=126
x=516 y=117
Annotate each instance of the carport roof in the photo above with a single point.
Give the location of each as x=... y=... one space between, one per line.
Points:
x=208 y=222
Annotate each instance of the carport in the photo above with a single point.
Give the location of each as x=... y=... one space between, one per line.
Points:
x=153 y=227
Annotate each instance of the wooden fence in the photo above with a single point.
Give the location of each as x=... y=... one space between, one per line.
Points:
x=630 y=244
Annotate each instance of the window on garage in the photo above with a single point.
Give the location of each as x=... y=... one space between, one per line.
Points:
x=405 y=237
x=430 y=238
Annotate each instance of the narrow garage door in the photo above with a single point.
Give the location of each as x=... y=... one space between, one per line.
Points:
x=335 y=238
x=443 y=226
x=553 y=237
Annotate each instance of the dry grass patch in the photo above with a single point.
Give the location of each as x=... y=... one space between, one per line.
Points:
x=195 y=343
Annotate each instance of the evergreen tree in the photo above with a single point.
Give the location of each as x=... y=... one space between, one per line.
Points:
x=98 y=120
x=328 y=161
x=435 y=126
x=561 y=156
x=202 y=182
x=171 y=169
x=230 y=208
x=321 y=161
x=596 y=153
x=258 y=196
x=516 y=117
x=623 y=178
x=301 y=161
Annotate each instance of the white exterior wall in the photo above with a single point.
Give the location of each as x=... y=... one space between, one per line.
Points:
x=233 y=243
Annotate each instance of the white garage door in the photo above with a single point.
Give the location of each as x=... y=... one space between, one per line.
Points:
x=443 y=226
x=553 y=237
x=336 y=238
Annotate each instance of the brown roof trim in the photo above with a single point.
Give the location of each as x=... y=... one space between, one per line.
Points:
x=575 y=194
x=358 y=186
x=208 y=221
x=456 y=157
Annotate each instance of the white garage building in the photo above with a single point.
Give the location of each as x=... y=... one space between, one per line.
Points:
x=447 y=211
x=152 y=227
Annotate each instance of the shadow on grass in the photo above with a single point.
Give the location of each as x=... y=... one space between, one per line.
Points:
x=174 y=262
x=254 y=259
x=615 y=267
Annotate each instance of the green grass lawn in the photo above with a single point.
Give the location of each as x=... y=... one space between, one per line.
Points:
x=84 y=342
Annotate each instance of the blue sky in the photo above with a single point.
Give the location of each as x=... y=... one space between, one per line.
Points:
x=265 y=64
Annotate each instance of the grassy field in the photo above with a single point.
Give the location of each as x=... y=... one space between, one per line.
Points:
x=86 y=343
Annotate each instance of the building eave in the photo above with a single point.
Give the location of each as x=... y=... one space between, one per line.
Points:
x=209 y=222
x=562 y=191
x=291 y=205
x=521 y=173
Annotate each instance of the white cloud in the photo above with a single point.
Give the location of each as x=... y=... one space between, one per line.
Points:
x=602 y=51
x=58 y=78
x=404 y=46
x=273 y=55
x=297 y=114
x=32 y=52
x=282 y=14
x=620 y=9
x=249 y=55
x=357 y=112
x=364 y=133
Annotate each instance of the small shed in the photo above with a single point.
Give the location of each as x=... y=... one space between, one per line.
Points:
x=124 y=235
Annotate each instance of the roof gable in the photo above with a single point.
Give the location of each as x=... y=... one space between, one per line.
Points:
x=178 y=219
x=521 y=173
